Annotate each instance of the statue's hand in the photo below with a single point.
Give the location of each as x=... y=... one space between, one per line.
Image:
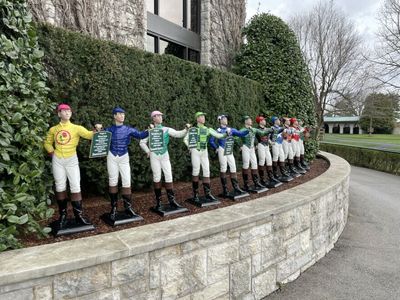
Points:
x=98 y=127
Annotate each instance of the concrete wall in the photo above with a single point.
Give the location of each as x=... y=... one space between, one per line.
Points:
x=125 y=22
x=121 y=21
x=244 y=251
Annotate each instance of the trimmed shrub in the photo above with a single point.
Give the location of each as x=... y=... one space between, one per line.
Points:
x=24 y=113
x=94 y=76
x=273 y=57
x=368 y=158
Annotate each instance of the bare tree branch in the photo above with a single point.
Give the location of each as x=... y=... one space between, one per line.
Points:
x=331 y=48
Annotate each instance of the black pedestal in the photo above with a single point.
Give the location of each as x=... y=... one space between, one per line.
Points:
x=235 y=196
x=272 y=184
x=295 y=175
x=167 y=210
x=203 y=202
x=71 y=227
x=285 y=178
x=257 y=190
x=121 y=218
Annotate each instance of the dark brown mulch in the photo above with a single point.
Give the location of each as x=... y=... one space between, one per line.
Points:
x=95 y=206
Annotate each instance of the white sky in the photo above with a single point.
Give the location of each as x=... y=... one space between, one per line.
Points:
x=362 y=12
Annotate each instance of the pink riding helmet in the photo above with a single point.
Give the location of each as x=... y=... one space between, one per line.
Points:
x=155 y=113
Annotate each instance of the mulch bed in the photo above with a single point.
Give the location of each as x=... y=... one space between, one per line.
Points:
x=95 y=206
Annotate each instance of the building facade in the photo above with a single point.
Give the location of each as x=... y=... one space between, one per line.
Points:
x=342 y=125
x=202 y=31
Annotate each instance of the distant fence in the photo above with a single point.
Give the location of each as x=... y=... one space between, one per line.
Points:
x=380 y=160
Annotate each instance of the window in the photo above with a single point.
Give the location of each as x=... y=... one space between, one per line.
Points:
x=151 y=43
x=150 y=6
x=185 y=13
x=193 y=10
x=194 y=56
x=167 y=47
x=171 y=10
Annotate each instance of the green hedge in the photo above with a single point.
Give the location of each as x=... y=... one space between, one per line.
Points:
x=272 y=56
x=94 y=76
x=24 y=112
x=373 y=159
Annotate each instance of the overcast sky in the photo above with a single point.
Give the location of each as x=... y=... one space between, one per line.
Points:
x=362 y=12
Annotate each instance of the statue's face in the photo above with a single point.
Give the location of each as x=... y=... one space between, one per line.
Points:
x=65 y=114
x=224 y=121
x=157 y=119
x=277 y=122
x=263 y=122
x=248 y=122
x=287 y=122
x=295 y=124
x=119 y=117
x=201 y=119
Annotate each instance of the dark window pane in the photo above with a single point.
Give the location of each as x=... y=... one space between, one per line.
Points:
x=151 y=43
x=193 y=7
x=172 y=10
x=167 y=47
x=194 y=56
x=150 y=6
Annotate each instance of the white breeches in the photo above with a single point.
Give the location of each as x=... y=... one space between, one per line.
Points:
x=200 y=158
x=277 y=152
x=249 y=156
x=161 y=163
x=264 y=155
x=301 y=146
x=225 y=160
x=64 y=168
x=287 y=149
x=118 y=165
x=296 y=148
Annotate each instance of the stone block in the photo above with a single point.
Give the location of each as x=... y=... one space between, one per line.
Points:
x=25 y=294
x=82 y=282
x=131 y=289
x=217 y=275
x=213 y=291
x=204 y=242
x=222 y=254
x=184 y=275
x=130 y=269
x=108 y=294
x=240 y=278
x=285 y=268
x=264 y=284
x=43 y=292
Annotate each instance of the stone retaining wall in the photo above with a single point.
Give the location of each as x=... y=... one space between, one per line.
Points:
x=244 y=251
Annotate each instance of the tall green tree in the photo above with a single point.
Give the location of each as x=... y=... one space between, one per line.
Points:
x=272 y=57
x=380 y=113
x=24 y=111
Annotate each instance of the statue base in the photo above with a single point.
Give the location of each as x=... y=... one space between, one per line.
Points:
x=203 y=202
x=167 y=210
x=121 y=218
x=235 y=196
x=70 y=228
x=285 y=178
x=272 y=184
x=257 y=190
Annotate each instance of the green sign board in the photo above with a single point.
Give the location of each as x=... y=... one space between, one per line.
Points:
x=100 y=144
x=193 y=137
x=156 y=139
x=229 y=142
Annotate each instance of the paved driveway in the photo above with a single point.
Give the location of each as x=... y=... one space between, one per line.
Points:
x=365 y=263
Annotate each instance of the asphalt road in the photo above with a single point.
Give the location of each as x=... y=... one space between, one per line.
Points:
x=365 y=263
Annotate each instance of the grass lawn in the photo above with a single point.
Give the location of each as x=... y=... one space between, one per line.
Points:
x=388 y=142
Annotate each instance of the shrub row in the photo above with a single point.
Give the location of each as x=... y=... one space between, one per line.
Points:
x=373 y=159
